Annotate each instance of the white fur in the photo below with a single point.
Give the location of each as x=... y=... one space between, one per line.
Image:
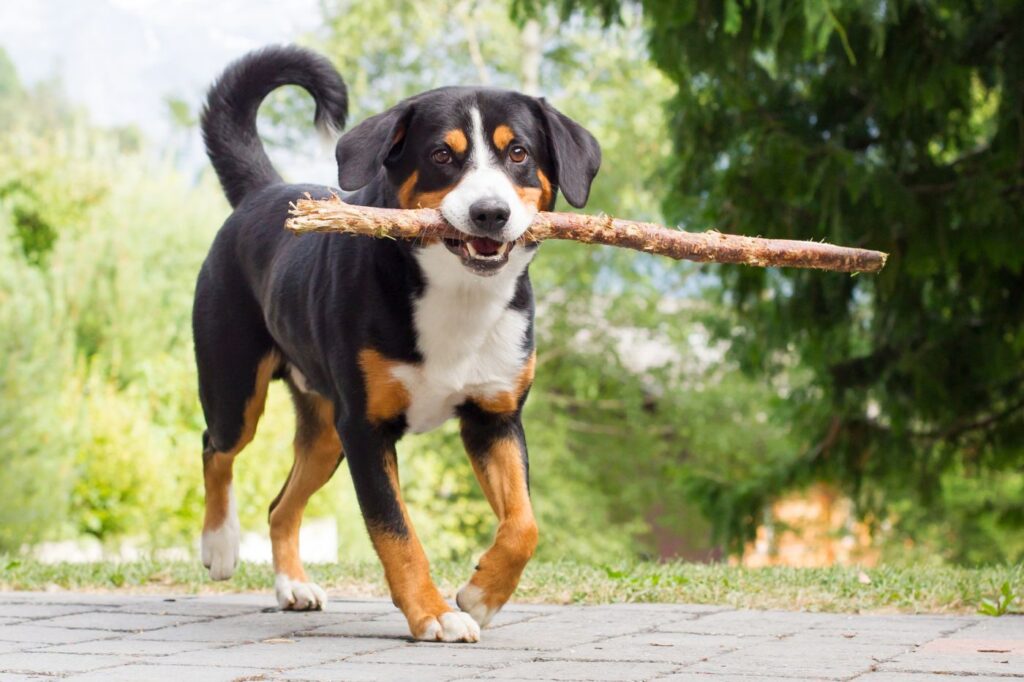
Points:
x=485 y=180
x=295 y=595
x=299 y=379
x=220 y=546
x=471 y=600
x=471 y=342
x=452 y=626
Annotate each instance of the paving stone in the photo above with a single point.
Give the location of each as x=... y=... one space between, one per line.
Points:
x=923 y=677
x=188 y=606
x=117 y=621
x=676 y=648
x=709 y=677
x=807 y=666
x=1004 y=627
x=282 y=652
x=46 y=662
x=38 y=634
x=353 y=672
x=226 y=637
x=963 y=657
x=389 y=629
x=8 y=647
x=131 y=647
x=438 y=653
x=29 y=610
x=577 y=670
x=149 y=673
x=756 y=623
x=244 y=628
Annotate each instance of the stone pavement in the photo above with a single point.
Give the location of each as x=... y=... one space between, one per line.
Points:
x=236 y=637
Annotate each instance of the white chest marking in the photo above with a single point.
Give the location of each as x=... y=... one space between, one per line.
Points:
x=470 y=340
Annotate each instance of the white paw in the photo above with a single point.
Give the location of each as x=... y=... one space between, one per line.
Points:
x=471 y=600
x=295 y=595
x=452 y=626
x=220 y=546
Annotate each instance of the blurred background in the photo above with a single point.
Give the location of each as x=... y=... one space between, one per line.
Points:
x=713 y=413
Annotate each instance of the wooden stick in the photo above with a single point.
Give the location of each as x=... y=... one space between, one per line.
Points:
x=334 y=215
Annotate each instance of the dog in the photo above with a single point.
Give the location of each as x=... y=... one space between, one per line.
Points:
x=376 y=338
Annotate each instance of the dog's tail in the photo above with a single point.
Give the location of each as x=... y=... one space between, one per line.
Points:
x=229 y=117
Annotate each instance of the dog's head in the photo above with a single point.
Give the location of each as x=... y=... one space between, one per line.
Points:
x=488 y=159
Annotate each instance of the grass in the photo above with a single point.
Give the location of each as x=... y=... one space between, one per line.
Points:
x=914 y=589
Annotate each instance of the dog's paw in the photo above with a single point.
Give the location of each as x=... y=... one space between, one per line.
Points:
x=296 y=595
x=451 y=626
x=471 y=600
x=220 y=548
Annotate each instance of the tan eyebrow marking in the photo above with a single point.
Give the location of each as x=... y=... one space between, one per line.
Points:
x=456 y=139
x=503 y=135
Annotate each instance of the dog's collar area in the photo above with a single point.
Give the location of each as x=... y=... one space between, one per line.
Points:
x=480 y=255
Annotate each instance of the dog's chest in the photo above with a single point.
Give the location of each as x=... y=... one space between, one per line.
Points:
x=472 y=344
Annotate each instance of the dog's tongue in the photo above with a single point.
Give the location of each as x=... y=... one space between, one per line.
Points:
x=485 y=246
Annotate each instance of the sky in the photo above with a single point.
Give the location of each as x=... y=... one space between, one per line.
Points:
x=120 y=58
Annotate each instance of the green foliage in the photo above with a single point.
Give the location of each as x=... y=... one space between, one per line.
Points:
x=916 y=589
x=33 y=360
x=895 y=126
x=1000 y=604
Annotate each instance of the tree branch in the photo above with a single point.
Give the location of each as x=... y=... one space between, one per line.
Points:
x=334 y=215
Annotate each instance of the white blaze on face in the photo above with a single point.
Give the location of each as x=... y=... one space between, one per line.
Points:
x=485 y=179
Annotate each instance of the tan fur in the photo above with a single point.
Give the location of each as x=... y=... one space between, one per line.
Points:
x=508 y=401
x=218 y=466
x=386 y=397
x=456 y=139
x=408 y=197
x=503 y=479
x=317 y=452
x=502 y=136
x=406 y=567
x=544 y=202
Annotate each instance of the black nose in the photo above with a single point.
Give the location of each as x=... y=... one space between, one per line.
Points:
x=489 y=215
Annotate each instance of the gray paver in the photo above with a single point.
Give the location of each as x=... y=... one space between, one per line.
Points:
x=45 y=662
x=226 y=637
x=580 y=670
x=137 y=672
x=352 y=672
x=117 y=621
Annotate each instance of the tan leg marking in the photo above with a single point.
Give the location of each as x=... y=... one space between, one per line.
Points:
x=386 y=397
x=502 y=476
x=317 y=453
x=218 y=466
x=407 y=571
x=221 y=532
x=508 y=401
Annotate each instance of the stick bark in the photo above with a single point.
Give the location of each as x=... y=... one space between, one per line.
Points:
x=334 y=215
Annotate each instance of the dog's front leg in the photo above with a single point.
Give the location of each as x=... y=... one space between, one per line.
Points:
x=496 y=446
x=374 y=467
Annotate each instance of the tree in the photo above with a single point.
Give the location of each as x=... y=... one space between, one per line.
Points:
x=893 y=125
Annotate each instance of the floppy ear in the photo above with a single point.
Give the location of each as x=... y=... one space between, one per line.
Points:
x=363 y=151
x=575 y=152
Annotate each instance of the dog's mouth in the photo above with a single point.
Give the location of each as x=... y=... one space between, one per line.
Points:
x=481 y=255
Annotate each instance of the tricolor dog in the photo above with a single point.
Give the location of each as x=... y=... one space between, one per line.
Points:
x=375 y=338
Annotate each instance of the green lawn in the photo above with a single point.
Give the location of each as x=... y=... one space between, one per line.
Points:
x=887 y=589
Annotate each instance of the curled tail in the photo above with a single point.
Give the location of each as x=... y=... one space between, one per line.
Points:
x=229 y=117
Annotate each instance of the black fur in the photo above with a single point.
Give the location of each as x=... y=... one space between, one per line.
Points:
x=229 y=118
x=318 y=300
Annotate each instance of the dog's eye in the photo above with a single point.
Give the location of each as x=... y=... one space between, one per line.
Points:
x=441 y=156
x=517 y=153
